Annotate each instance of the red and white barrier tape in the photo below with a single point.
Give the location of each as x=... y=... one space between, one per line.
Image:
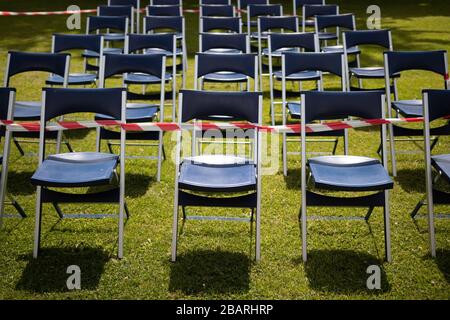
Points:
x=172 y=126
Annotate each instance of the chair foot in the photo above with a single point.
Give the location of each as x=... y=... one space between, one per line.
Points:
x=419 y=205
x=369 y=214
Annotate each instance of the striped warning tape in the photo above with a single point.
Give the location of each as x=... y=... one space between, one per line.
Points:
x=172 y=126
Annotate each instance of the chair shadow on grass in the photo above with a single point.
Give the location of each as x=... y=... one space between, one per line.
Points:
x=411 y=180
x=443 y=262
x=210 y=272
x=19 y=183
x=342 y=271
x=292 y=179
x=48 y=273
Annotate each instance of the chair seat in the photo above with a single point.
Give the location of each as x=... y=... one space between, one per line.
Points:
x=217 y=173
x=76 y=169
x=278 y=52
x=93 y=54
x=74 y=79
x=309 y=22
x=409 y=108
x=303 y=75
x=178 y=51
x=442 y=163
x=340 y=48
x=349 y=173
x=327 y=36
x=225 y=76
x=136 y=112
x=223 y=51
x=142 y=78
x=114 y=37
x=294 y=109
x=264 y=35
x=370 y=73
x=27 y=110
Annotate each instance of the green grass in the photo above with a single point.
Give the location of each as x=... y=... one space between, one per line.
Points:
x=216 y=259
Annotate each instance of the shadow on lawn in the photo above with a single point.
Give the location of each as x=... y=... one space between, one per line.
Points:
x=411 y=180
x=48 y=273
x=443 y=262
x=342 y=271
x=210 y=272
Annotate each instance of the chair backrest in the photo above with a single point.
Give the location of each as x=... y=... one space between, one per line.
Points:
x=436 y=104
x=243 y=4
x=346 y=21
x=166 y=2
x=434 y=61
x=314 y=61
x=304 y=40
x=310 y=11
x=214 y=2
x=97 y=23
x=164 y=10
x=6 y=101
x=137 y=42
x=21 y=62
x=153 y=23
x=230 y=24
x=258 y=10
x=238 y=41
x=380 y=38
x=300 y=3
x=217 y=11
x=115 y=64
x=204 y=105
x=67 y=42
x=276 y=23
x=244 y=63
x=116 y=11
x=134 y=3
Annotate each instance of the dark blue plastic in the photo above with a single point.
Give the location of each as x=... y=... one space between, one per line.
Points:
x=306 y=61
x=264 y=10
x=124 y=63
x=238 y=63
x=116 y=11
x=66 y=42
x=438 y=103
x=442 y=164
x=340 y=20
x=235 y=41
x=368 y=37
x=103 y=22
x=164 y=10
x=274 y=23
x=217 y=11
x=293 y=40
x=215 y=2
x=230 y=24
x=317 y=10
x=301 y=3
x=153 y=23
x=433 y=61
x=20 y=62
x=150 y=41
x=133 y=3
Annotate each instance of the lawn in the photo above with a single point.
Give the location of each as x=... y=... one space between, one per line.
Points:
x=216 y=259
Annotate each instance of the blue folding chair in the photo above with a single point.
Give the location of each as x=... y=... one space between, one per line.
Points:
x=243 y=4
x=172 y=25
x=117 y=11
x=199 y=178
x=156 y=44
x=396 y=62
x=344 y=173
x=436 y=106
x=224 y=43
x=278 y=43
x=217 y=11
x=340 y=21
x=261 y=10
x=226 y=68
x=68 y=42
x=25 y=62
x=310 y=11
x=136 y=69
x=7 y=98
x=164 y=10
x=103 y=25
x=311 y=66
x=80 y=169
x=267 y=25
x=378 y=38
x=166 y=2
x=136 y=4
x=220 y=24
x=214 y=2
x=296 y=4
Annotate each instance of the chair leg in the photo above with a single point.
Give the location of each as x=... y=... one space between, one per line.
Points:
x=387 y=227
x=19 y=147
x=175 y=227
x=369 y=213
x=284 y=147
x=98 y=141
x=37 y=225
x=258 y=227
x=418 y=206
x=121 y=227
x=392 y=147
x=345 y=142
x=158 y=175
x=304 y=227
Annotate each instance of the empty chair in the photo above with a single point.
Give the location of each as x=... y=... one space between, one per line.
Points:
x=379 y=38
x=268 y=25
x=310 y=11
x=172 y=25
x=7 y=97
x=117 y=11
x=164 y=10
x=136 y=4
x=220 y=24
x=103 y=25
x=260 y=10
x=311 y=66
x=166 y=2
x=214 y=2
x=344 y=173
x=436 y=106
x=199 y=178
x=278 y=43
x=226 y=68
x=224 y=43
x=395 y=63
x=243 y=4
x=23 y=63
x=80 y=169
x=217 y=11
x=136 y=69
x=296 y=4
x=155 y=44
x=68 y=42
x=340 y=21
